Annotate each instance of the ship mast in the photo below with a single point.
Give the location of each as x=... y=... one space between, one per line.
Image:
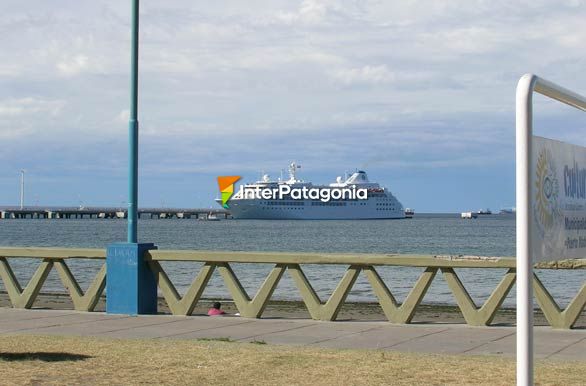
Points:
x=293 y=172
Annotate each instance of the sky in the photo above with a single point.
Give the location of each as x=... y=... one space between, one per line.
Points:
x=420 y=94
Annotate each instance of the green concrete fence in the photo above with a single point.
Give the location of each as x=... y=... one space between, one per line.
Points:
x=290 y=263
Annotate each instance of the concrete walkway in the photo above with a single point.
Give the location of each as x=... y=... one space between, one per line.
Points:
x=430 y=338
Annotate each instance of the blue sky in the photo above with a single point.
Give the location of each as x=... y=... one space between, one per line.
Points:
x=418 y=93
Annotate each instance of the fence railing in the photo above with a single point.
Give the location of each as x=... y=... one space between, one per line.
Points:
x=290 y=263
x=52 y=258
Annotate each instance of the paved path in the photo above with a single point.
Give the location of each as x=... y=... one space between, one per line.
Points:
x=432 y=338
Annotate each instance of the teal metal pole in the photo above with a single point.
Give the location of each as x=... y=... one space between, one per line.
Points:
x=131 y=286
x=133 y=130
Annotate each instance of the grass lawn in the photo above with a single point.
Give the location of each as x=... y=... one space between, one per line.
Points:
x=72 y=360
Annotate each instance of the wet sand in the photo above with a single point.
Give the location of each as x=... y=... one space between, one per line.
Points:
x=426 y=313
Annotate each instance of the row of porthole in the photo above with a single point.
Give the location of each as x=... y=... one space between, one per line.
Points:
x=283 y=208
x=285 y=203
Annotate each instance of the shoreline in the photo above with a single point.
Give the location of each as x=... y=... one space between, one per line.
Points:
x=295 y=309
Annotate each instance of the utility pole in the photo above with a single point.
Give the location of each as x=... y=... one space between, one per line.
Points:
x=21 y=189
x=131 y=285
x=133 y=130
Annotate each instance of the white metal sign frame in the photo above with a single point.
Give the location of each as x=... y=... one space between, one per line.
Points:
x=528 y=84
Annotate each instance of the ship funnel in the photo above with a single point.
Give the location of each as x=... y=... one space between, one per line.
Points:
x=358 y=177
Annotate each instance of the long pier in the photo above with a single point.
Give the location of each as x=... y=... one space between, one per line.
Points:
x=38 y=212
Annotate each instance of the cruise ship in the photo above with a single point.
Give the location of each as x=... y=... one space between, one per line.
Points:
x=375 y=202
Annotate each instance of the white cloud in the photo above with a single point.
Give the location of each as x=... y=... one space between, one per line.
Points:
x=73 y=65
x=123 y=116
x=309 y=12
x=9 y=70
x=366 y=74
x=467 y=40
x=26 y=106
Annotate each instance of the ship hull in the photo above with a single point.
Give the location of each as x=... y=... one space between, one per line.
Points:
x=312 y=210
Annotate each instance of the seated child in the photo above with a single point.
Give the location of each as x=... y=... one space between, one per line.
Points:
x=216 y=310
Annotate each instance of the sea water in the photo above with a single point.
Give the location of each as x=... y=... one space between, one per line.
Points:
x=443 y=234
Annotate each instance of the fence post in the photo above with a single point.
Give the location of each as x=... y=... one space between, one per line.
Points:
x=131 y=287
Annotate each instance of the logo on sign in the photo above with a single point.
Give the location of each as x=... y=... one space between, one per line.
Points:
x=226 y=185
x=546 y=204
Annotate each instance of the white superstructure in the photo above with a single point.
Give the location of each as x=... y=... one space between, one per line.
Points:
x=379 y=204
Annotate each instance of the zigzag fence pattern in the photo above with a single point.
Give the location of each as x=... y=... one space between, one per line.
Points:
x=290 y=263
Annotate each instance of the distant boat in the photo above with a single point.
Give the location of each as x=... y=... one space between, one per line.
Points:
x=210 y=217
x=409 y=213
x=484 y=211
x=508 y=211
x=469 y=215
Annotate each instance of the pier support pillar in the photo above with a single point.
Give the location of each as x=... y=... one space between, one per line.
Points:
x=131 y=288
